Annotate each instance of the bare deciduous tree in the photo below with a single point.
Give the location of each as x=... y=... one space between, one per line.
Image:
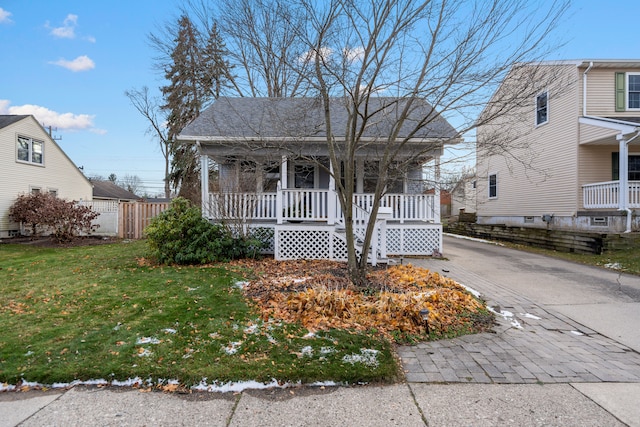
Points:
x=149 y=107
x=388 y=58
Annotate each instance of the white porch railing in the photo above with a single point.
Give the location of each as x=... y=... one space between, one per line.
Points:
x=316 y=205
x=605 y=195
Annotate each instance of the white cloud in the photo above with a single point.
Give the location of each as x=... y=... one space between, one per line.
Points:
x=310 y=56
x=4 y=16
x=81 y=63
x=354 y=54
x=62 y=121
x=68 y=29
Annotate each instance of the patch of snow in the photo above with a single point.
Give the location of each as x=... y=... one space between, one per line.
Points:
x=148 y=340
x=367 y=357
x=169 y=330
x=307 y=351
x=232 y=348
x=238 y=386
x=530 y=316
x=271 y=339
x=144 y=352
x=516 y=324
x=310 y=335
x=503 y=313
x=300 y=280
x=475 y=239
x=193 y=289
x=241 y=284
x=117 y=327
x=28 y=353
x=576 y=333
x=251 y=329
x=471 y=290
x=214 y=335
x=613 y=265
x=327 y=350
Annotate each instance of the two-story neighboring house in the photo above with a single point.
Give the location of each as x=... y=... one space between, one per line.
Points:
x=573 y=161
x=31 y=161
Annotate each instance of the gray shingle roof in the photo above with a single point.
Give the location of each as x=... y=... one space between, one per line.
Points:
x=304 y=118
x=6 y=120
x=108 y=190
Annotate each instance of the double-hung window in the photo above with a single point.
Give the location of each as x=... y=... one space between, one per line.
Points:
x=30 y=150
x=633 y=91
x=493 y=186
x=542 y=108
x=627 y=91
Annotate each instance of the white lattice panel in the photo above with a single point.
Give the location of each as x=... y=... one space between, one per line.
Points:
x=410 y=239
x=305 y=242
x=302 y=243
x=265 y=235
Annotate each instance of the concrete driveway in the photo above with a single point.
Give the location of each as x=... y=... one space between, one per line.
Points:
x=605 y=301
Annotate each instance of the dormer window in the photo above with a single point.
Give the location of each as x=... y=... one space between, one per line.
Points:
x=542 y=109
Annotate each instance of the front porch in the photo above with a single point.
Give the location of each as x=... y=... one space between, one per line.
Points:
x=309 y=223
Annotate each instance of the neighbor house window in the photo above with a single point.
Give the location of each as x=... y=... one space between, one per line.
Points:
x=542 y=108
x=493 y=186
x=627 y=91
x=633 y=165
x=633 y=91
x=30 y=150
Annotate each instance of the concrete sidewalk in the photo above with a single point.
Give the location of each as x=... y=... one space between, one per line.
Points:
x=564 y=353
x=396 y=405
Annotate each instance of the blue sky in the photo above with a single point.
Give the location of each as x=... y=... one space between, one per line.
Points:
x=69 y=62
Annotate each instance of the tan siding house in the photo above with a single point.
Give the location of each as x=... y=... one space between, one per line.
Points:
x=575 y=159
x=30 y=160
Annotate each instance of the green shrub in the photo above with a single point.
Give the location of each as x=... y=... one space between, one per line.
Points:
x=180 y=235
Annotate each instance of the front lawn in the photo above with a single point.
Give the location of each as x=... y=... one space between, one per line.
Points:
x=105 y=312
x=95 y=313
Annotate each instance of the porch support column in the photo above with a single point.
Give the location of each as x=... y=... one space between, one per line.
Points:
x=623 y=190
x=623 y=181
x=204 y=183
x=436 y=198
x=284 y=173
x=332 y=199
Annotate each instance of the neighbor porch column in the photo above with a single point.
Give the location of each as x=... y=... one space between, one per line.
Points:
x=436 y=198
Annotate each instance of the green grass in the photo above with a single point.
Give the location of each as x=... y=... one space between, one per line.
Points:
x=84 y=313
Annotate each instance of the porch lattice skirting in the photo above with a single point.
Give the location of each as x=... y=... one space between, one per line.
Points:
x=305 y=241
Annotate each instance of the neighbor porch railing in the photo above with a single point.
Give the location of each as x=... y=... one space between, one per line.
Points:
x=316 y=205
x=606 y=195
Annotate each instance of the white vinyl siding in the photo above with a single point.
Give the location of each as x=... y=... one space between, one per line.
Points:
x=18 y=177
x=601 y=93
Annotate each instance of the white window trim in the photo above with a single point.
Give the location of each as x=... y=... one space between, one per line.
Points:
x=544 y=92
x=30 y=160
x=489 y=196
x=626 y=92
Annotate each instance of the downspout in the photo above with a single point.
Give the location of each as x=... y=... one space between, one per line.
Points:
x=584 y=89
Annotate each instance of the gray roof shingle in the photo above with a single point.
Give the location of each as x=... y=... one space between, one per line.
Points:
x=304 y=118
x=109 y=190
x=6 y=120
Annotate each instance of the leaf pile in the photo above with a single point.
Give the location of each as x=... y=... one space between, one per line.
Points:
x=319 y=295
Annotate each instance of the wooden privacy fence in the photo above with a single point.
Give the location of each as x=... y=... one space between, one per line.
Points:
x=133 y=217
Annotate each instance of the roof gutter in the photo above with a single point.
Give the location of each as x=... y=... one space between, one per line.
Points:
x=584 y=89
